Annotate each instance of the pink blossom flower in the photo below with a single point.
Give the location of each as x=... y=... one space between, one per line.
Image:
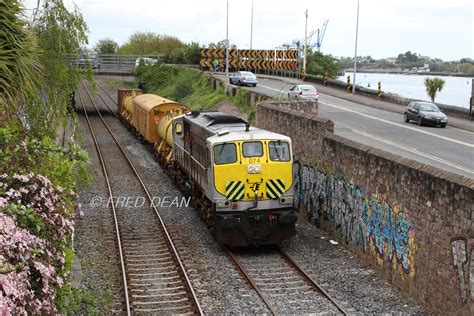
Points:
x=3 y=202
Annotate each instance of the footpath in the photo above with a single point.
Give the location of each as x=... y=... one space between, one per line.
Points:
x=458 y=122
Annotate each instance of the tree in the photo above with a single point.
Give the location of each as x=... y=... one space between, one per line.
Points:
x=19 y=59
x=106 y=46
x=433 y=85
x=149 y=43
x=60 y=33
x=317 y=63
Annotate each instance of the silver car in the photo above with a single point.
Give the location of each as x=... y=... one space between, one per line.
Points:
x=243 y=78
x=303 y=92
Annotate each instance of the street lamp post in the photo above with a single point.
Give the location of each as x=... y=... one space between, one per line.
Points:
x=251 y=27
x=227 y=42
x=355 y=54
x=305 y=51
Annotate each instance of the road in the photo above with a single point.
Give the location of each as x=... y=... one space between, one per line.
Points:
x=450 y=148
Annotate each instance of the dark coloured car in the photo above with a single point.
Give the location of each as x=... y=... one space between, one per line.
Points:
x=425 y=113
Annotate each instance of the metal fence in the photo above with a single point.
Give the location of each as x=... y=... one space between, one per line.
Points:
x=109 y=63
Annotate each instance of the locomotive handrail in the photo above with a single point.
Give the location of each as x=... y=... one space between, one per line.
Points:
x=203 y=168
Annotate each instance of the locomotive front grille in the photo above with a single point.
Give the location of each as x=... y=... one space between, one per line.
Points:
x=235 y=190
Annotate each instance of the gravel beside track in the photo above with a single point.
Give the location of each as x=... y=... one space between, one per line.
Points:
x=218 y=284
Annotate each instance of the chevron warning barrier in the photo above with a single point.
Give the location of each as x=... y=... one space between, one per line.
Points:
x=251 y=59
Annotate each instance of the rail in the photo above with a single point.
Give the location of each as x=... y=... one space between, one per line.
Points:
x=174 y=252
x=294 y=267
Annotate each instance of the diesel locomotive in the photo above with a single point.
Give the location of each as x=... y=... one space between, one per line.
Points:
x=240 y=176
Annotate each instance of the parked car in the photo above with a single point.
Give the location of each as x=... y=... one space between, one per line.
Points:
x=145 y=61
x=243 y=78
x=425 y=113
x=303 y=92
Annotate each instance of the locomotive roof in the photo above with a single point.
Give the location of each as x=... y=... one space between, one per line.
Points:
x=208 y=118
x=233 y=126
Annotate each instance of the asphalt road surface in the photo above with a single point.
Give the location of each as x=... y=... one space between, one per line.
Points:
x=449 y=148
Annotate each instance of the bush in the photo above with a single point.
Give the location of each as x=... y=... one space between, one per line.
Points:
x=36 y=229
x=38 y=180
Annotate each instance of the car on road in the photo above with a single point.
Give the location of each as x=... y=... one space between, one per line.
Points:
x=243 y=78
x=145 y=61
x=425 y=113
x=303 y=92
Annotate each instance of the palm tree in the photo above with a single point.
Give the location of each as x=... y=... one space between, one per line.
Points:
x=19 y=65
x=433 y=85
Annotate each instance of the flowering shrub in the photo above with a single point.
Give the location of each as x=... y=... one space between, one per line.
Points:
x=37 y=205
x=35 y=230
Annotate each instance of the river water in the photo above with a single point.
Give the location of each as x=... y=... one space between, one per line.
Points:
x=456 y=90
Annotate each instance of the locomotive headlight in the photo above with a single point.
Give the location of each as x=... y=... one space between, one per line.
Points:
x=253 y=169
x=286 y=199
x=221 y=204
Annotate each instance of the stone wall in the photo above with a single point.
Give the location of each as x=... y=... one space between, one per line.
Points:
x=412 y=221
x=285 y=118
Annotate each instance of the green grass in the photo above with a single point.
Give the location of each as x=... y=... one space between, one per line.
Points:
x=190 y=87
x=116 y=84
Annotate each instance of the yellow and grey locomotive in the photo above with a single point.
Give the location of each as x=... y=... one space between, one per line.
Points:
x=243 y=177
x=240 y=176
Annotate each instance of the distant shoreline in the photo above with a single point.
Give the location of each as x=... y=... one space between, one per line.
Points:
x=396 y=72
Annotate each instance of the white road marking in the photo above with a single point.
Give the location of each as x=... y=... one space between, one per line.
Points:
x=339 y=99
x=273 y=89
x=383 y=120
x=401 y=125
x=409 y=149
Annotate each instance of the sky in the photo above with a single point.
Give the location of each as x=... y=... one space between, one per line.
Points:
x=436 y=28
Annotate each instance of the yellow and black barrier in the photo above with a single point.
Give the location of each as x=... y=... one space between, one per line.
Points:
x=251 y=59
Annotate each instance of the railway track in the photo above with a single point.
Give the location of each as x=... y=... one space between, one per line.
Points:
x=153 y=274
x=281 y=283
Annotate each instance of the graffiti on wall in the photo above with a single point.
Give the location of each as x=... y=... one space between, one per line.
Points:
x=364 y=220
x=462 y=265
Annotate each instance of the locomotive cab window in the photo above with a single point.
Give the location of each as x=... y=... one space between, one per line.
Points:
x=225 y=153
x=279 y=151
x=252 y=149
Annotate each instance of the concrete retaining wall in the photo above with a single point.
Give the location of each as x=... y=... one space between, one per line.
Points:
x=412 y=221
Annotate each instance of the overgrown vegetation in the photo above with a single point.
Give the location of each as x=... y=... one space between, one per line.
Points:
x=190 y=87
x=38 y=203
x=38 y=178
x=318 y=64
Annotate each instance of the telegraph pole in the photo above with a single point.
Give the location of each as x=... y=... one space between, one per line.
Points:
x=305 y=45
x=227 y=43
x=355 y=54
x=251 y=27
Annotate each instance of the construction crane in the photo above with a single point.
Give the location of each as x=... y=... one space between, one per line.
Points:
x=319 y=36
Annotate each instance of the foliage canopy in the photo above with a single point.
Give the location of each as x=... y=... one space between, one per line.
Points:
x=433 y=85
